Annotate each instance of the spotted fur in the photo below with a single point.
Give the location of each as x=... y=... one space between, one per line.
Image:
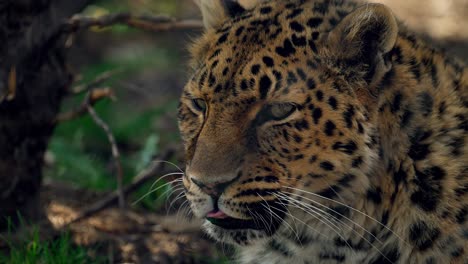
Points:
x=369 y=166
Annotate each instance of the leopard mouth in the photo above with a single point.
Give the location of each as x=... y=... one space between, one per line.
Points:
x=231 y=223
x=218 y=218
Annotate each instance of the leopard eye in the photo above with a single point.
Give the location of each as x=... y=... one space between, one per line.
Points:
x=199 y=105
x=275 y=112
x=281 y=111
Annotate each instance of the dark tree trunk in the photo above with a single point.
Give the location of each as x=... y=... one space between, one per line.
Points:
x=33 y=80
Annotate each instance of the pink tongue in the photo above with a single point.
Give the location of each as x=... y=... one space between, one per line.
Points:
x=217 y=214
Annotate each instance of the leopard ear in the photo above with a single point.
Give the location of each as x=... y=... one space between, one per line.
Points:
x=216 y=11
x=362 y=40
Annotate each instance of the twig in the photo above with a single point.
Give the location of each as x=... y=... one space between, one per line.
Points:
x=11 y=84
x=91 y=99
x=87 y=107
x=143 y=177
x=115 y=153
x=155 y=23
x=10 y=94
x=94 y=83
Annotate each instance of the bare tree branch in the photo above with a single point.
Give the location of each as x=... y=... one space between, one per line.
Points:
x=12 y=85
x=91 y=99
x=156 y=23
x=105 y=76
x=86 y=106
x=115 y=153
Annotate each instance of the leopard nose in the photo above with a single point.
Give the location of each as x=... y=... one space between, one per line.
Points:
x=213 y=189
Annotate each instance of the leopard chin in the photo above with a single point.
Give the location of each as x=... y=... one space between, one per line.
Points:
x=237 y=237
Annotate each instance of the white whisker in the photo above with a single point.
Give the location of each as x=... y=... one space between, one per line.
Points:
x=271 y=216
x=167 y=193
x=261 y=219
x=351 y=208
x=280 y=219
x=155 y=190
x=304 y=223
x=317 y=216
x=179 y=196
x=253 y=218
x=184 y=204
x=333 y=189
x=267 y=226
x=340 y=214
x=288 y=213
x=308 y=205
x=168 y=162
x=292 y=229
x=164 y=176
x=360 y=235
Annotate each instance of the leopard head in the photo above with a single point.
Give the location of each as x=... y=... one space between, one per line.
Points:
x=280 y=105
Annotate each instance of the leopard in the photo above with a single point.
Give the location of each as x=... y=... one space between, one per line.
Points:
x=325 y=131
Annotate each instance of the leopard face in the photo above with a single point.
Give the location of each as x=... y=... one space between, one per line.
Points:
x=264 y=117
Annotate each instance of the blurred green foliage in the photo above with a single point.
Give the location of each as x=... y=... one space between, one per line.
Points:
x=33 y=250
x=80 y=151
x=169 y=7
x=166 y=7
x=58 y=251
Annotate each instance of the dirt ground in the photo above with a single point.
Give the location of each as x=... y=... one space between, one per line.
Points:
x=127 y=236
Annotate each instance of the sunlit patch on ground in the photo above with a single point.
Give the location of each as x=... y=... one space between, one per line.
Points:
x=127 y=235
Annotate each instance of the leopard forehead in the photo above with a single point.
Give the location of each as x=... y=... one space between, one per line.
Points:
x=265 y=51
x=273 y=53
